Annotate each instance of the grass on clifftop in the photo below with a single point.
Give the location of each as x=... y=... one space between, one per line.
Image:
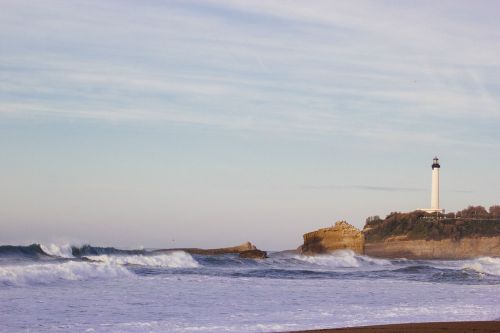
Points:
x=473 y=221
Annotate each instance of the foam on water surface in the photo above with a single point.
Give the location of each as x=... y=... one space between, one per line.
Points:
x=343 y=259
x=49 y=273
x=177 y=259
x=45 y=289
x=486 y=265
x=63 y=251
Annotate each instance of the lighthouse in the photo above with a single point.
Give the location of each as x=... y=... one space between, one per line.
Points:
x=435 y=184
x=435 y=188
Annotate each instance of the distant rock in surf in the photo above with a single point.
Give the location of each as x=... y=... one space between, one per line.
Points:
x=253 y=254
x=224 y=250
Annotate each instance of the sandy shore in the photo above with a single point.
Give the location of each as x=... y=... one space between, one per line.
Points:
x=452 y=327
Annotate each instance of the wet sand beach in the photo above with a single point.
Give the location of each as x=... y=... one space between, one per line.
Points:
x=452 y=327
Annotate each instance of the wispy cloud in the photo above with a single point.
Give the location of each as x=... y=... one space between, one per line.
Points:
x=374 y=188
x=364 y=188
x=370 y=69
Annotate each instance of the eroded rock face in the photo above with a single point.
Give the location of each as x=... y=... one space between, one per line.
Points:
x=465 y=248
x=342 y=236
x=411 y=239
x=418 y=235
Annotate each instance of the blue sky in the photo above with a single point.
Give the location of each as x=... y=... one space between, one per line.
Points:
x=207 y=123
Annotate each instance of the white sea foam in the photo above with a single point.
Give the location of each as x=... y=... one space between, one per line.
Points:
x=177 y=259
x=52 y=272
x=342 y=259
x=486 y=265
x=166 y=326
x=63 y=251
x=179 y=302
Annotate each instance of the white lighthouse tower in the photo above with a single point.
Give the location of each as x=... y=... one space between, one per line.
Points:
x=435 y=188
x=435 y=184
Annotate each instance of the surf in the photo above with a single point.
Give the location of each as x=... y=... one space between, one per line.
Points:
x=47 y=273
x=176 y=259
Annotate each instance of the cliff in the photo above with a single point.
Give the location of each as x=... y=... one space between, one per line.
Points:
x=447 y=249
x=414 y=235
x=338 y=237
x=419 y=235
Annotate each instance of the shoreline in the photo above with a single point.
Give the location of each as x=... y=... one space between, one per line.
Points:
x=431 y=327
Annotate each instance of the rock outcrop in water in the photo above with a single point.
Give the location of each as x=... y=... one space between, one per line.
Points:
x=224 y=250
x=253 y=254
x=341 y=236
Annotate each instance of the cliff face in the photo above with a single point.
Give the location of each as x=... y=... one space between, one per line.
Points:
x=418 y=235
x=411 y=239
x=341 y=236
x=465 y=248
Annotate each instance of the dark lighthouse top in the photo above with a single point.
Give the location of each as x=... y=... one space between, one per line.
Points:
x=435 y=163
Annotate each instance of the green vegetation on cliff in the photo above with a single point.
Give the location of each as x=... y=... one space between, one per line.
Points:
x=474 y=221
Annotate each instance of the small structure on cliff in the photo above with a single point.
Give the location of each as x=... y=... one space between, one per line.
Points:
x=341 y=236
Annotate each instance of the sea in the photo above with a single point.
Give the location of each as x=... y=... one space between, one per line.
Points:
x=65 y=288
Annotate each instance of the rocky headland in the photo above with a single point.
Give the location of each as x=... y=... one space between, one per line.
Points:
x=470 y=233
x=448 y=249
x=418 y=235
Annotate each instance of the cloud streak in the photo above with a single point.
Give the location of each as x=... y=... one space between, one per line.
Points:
x=364 y=188
x=369 y=70
x=374 y=188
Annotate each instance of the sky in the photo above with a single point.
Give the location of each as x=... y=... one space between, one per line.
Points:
x=211 y=123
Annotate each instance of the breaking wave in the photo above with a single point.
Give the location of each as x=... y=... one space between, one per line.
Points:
x=177 y=259
x=54 y=272
x=61 y=251
x=486 y=265
x=50 y=263
x=89 y=250
x=343 y=259
x=32 y=251
x=54 y=250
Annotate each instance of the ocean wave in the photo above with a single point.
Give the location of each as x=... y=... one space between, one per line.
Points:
x=165 y=326
x=177 y=259
x=37 y=251
x=486 y=265
x=51 y=272
x=89 y=250
x=343 y=259
x=29 y=251
x=54 y=250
